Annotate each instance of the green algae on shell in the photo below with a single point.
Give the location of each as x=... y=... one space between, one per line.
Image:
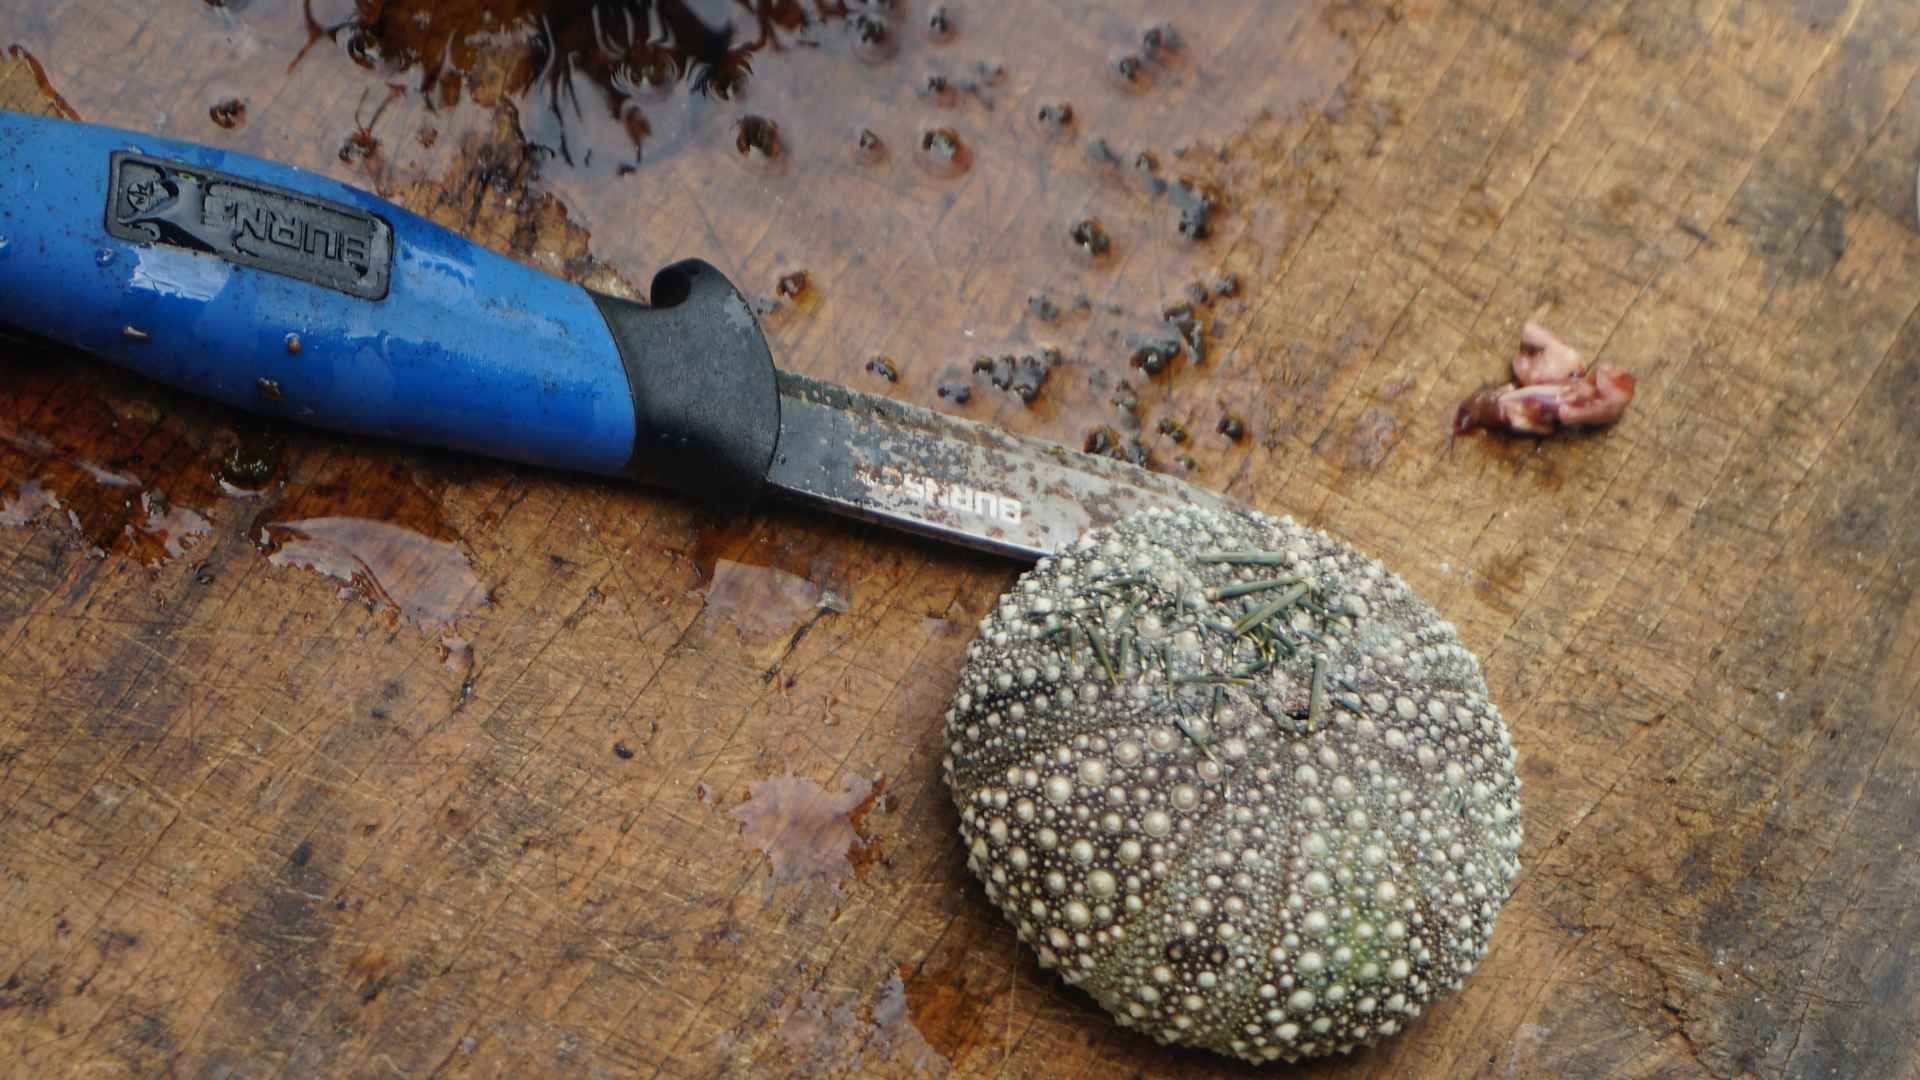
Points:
x=1236 y=781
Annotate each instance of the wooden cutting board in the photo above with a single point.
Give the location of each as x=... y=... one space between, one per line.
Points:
x=320 y=756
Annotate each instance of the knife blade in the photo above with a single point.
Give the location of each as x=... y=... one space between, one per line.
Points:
x=952 y=479
x=287 y=293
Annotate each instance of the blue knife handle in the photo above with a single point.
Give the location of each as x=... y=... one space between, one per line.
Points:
x=279 y=291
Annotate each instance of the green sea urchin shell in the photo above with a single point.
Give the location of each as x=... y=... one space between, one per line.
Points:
x=1237 y=782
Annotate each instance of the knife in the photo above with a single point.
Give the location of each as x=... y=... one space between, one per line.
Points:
x=283 y=292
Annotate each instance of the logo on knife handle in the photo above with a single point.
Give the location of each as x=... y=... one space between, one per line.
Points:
x=889 y=484
x=299 y=236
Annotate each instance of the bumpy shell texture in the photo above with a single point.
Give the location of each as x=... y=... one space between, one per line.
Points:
x=1237 y=782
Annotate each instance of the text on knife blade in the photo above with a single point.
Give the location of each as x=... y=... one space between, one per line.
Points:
x=894 y=485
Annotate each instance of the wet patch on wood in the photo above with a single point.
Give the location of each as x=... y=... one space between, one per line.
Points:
x=809 y=834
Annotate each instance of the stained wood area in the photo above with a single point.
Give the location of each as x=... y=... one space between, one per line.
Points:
x=332 y=757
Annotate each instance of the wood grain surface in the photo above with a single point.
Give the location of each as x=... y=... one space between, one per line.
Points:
x=324 y=757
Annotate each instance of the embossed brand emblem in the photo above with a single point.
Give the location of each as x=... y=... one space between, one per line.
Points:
x=252 y=224
x=891 y=484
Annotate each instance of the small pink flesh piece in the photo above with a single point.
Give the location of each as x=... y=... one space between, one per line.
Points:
x=1552 y=388
x=1598 y=399
x=1533 y=410
x=1544 y=358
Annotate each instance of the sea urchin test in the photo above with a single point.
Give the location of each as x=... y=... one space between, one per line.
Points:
x=1236 y=781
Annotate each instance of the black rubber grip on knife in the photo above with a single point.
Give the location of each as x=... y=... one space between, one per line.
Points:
x=706 y=411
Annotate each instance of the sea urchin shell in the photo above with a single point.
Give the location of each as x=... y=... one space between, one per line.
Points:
x=1237 y=782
